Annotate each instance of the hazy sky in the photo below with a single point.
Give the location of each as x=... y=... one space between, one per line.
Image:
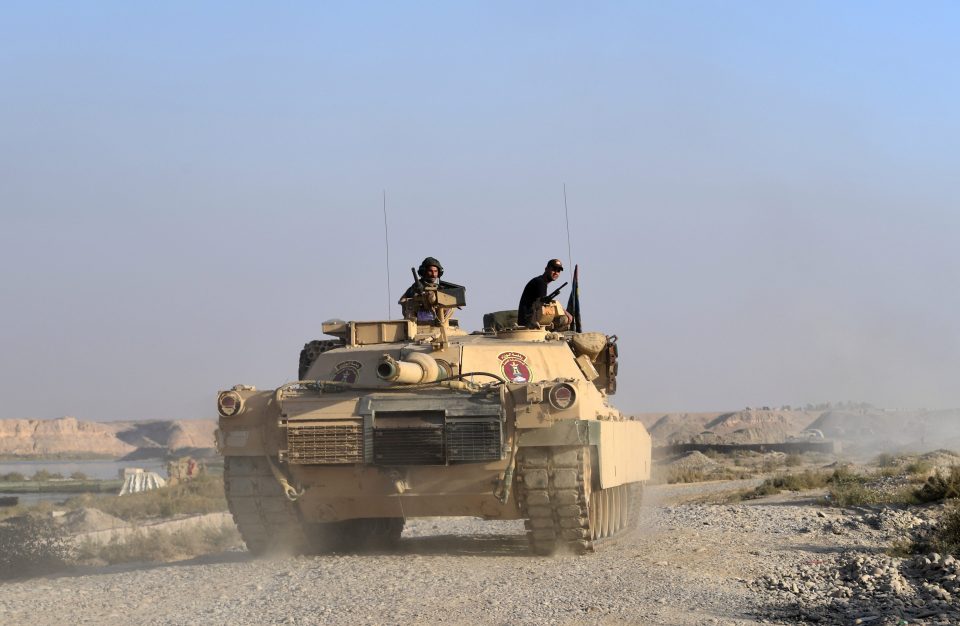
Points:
x=762 y=196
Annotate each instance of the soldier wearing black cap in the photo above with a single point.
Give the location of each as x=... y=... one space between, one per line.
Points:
x=536 y=289
x=430 y=272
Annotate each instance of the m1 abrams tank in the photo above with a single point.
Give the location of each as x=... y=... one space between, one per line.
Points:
x=398 y=419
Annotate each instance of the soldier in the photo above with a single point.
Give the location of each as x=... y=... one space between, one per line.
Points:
x=430 y=272
x=528 y=311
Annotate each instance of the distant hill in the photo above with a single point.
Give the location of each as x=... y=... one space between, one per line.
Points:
x=865 y=431
x=69 y=437
x=747 y=426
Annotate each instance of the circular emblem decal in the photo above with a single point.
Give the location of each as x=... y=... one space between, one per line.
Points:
x=347 y=372
x=514 y=367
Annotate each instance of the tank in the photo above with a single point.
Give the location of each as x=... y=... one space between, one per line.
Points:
x=396 y=419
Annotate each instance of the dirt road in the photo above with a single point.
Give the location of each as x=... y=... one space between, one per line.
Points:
x=687 y=564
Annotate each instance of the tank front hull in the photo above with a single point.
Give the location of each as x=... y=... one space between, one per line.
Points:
x=347 y=492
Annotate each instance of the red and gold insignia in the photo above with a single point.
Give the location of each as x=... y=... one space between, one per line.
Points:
x=347 y=371
x=514 y=367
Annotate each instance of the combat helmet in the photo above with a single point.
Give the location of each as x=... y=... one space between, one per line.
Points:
x=427 y=262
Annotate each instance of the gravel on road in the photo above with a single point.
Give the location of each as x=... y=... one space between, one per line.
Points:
x=779 y=561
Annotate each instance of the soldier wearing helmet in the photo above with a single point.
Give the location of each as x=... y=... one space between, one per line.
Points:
x=430 y=272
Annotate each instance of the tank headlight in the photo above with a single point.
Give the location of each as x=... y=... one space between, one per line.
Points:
x=229 y=403
x=562 y=396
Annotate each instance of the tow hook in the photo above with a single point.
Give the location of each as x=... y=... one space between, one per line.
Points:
x=400 y=483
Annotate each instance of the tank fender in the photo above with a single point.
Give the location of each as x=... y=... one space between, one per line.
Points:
x=622 y=446
x=563 y=433
x=253 y=431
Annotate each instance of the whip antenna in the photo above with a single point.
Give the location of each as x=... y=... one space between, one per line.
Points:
x=386 y=238
x=573 y=304
x=566 y=214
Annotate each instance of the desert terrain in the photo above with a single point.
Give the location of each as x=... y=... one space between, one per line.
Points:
x=69 y=437
x=694 y=560
x=718 y=543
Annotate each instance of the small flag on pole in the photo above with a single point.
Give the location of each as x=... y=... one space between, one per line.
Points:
x=573 y=304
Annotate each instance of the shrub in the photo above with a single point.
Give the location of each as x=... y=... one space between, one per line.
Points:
x=946 y=536
x=670 y=475
x=157 y=545
x=771 y=462
x=31 y=546
x=843 y=475
x=918 y=467
x=885 y=459
x=849 y=489
x=794 y=460
x=13 y=477
x=943 y=539
x=799 y=481
x=891 y=471
x=41 y=475
x=939 y=487
x=204 y=494
x=79 y=476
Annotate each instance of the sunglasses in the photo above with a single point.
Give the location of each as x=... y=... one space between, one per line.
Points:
x=556 y=269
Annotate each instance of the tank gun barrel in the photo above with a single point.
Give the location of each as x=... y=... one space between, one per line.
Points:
x=416 y=368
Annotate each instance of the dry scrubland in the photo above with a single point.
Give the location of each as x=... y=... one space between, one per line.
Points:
x=742 y=539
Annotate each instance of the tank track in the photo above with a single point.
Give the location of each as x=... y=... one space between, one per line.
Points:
x=313 y=349
x=563 y=511
x=267 y=520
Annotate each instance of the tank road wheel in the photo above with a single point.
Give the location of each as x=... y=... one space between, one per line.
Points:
x=607 y=496
x=267 y=520
x=311 y=351
x=563 y=508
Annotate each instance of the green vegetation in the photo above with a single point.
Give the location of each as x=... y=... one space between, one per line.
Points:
x=919 y=467
x=798 y=481
x=32 y=543
x=885 y=460
x=946 y=537
x=64 y=486
x=31 y=546
x=793 y=460
x=673 y=475
x=12 y=477
x=79 y=476
x=844 y=488
x=202 y=495
x=939 y=487
x=687 y=474
x=43 y=475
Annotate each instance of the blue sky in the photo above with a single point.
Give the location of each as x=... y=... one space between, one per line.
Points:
x=762 y=196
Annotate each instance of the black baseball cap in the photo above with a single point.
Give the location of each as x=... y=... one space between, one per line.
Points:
x=555 y=264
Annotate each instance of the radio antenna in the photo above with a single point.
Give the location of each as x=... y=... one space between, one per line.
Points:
x=386 y=238
x=566 y=214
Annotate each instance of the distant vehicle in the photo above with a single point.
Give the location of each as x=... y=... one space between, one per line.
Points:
x=398 y=419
